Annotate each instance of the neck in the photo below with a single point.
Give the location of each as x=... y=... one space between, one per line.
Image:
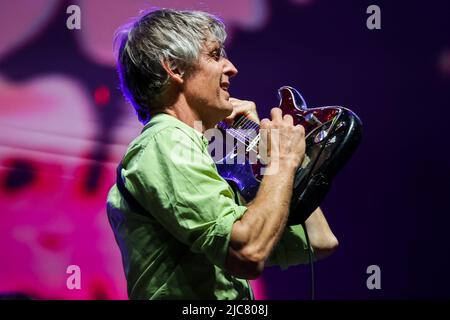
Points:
x=176 y=105
x=181 y=110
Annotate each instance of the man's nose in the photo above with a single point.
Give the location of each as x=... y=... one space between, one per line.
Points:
x=230 y=70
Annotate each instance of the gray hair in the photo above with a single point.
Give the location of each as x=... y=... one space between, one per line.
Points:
x=156 y=36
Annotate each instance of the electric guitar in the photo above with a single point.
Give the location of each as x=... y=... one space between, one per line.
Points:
x=332 y=134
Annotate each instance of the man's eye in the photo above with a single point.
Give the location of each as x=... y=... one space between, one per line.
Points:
x=215 y=55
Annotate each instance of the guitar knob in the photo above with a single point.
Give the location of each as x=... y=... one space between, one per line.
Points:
x=320 y=136
x=312 y=119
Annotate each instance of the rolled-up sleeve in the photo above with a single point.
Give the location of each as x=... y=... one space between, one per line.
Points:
x=176 y=180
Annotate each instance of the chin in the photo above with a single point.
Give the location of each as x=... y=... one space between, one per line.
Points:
x=228 y=110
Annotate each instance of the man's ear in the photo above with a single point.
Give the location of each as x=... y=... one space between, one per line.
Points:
x=174 y=72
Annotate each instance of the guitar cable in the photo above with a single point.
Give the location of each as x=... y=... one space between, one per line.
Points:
x=311 y=261
x=331 y=130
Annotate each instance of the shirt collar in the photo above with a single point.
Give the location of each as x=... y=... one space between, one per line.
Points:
x=166 y=118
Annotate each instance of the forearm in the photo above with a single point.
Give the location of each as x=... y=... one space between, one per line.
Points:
x=254 y=236
x=322 y=239
x=261 y=227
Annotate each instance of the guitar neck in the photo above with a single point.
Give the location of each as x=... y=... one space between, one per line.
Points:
x=244 y=130
x=242 y=123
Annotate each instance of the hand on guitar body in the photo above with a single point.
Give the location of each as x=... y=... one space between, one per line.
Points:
x=282 y=144
x=254 y=236
x=286 y=138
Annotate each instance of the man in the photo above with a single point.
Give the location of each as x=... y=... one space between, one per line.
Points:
x=187 y=237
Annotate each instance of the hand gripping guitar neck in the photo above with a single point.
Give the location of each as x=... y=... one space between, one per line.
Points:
x=332 y=135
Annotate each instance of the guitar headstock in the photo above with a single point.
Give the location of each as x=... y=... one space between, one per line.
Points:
x=292 y=102
x=291 y=99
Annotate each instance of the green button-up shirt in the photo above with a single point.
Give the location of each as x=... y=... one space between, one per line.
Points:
x=177 y=248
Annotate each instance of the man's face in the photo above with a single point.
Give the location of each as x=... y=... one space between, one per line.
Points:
x=206 y=88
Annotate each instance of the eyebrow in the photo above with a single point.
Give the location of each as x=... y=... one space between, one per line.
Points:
x=212 y=46
x=219 y=47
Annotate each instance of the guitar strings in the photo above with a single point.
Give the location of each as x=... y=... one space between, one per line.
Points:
x=243 y=124
x=251 y=125
x=247 y=124
x=238 y=135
